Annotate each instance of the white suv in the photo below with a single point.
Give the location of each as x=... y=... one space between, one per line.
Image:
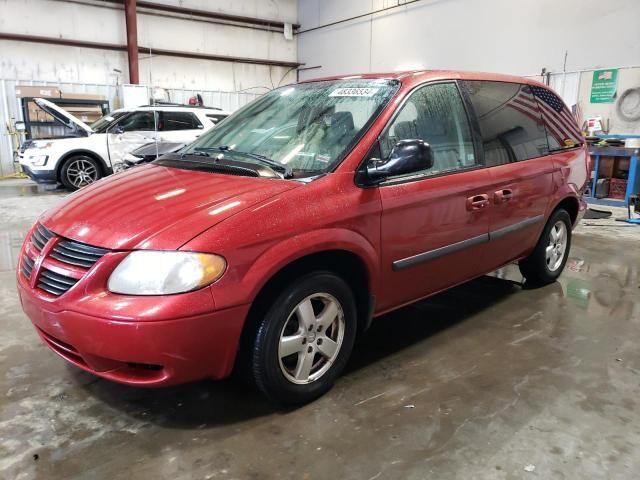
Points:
x=87 y=154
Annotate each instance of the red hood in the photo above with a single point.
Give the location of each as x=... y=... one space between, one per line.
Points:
x=155 y=207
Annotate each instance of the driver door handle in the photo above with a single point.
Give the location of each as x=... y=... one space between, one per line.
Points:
x=502 y=196
x=477 y=202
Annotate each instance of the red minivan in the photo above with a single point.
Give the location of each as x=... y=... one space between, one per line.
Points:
x=271 y=242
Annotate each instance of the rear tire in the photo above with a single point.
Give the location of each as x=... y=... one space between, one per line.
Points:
x=546 y=262
x=79 y=171
x=304 y=340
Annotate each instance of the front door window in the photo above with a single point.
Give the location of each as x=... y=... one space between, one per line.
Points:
x=435 y=114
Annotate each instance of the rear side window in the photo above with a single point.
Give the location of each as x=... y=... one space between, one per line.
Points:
x=179 y=121
x=562 y=130
x=435 y=114
x=510 y=121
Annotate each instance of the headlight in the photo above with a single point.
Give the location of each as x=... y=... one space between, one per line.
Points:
x=162 y=273
x=39 y=160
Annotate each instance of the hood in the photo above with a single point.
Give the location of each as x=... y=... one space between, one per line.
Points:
x=157 y=147
x=156 y=207
x=62 y=115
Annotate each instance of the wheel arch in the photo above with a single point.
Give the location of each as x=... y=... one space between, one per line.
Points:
x=344 y=252
x=81 y=151
x=571 y=204
x=345 y=263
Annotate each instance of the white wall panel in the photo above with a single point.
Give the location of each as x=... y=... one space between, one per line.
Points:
x=511 y=36
x=54 y=18
x=75 y=69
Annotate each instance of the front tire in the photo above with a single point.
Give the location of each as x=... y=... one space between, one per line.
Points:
x=79 y=171
x=304 y=340
x=546 y=262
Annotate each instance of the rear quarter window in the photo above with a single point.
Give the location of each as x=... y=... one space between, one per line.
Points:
x=560 y=124
x=179 y=121
x=510 y=121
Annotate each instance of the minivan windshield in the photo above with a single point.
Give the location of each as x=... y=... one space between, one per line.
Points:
x=305 y=129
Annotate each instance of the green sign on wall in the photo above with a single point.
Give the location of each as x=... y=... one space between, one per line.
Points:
x=603 y=85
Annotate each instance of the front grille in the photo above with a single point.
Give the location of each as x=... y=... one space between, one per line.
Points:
x=54 y=283
x=41 y=236
x=76 y=253
x=67 y=252
x=27 y=266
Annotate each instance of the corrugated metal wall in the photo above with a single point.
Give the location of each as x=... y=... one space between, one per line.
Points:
x=10 y=108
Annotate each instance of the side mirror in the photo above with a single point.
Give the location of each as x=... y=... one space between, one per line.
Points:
x=117 y=129
x=407 y=156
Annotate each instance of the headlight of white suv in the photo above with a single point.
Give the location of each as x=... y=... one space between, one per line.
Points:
x=39 y=160
x=165 y=272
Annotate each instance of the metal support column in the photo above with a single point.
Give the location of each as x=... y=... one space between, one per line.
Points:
x=132 y=40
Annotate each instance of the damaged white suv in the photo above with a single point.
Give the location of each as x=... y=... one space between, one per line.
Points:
x=87 y=154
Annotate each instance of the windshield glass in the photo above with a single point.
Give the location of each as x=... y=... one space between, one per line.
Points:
x=307 y=128
x=100 y=125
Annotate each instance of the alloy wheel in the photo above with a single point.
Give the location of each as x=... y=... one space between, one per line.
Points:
x=81 y=172
x=556 y=246
x=311 y=338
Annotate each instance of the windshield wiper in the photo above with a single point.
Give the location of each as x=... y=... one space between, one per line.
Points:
x=277 y=166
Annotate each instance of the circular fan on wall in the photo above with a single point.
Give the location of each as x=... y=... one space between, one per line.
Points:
x=628 y=105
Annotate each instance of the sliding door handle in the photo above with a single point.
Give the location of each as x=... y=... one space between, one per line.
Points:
x=502 y=196
x=477 y=202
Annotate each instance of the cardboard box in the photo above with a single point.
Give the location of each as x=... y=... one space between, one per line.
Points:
x=36 y=114
x=606 y=167
x=82 y=96
x=85 y=113
x=44 y=92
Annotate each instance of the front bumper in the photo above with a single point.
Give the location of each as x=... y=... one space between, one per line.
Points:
x=40 y=176
x=144 y=353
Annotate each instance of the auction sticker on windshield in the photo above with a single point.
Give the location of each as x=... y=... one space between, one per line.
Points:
x=353 y=92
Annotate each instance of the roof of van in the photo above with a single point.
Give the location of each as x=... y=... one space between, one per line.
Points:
x=419 y=76
x=175 y=108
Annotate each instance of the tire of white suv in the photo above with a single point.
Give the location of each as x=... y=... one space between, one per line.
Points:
x=546 y=262
x=79 y=171
x=304 y=340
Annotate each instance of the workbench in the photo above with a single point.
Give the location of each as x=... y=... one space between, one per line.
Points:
x=633 y=178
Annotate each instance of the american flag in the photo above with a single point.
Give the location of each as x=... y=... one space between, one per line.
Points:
x=559 y=122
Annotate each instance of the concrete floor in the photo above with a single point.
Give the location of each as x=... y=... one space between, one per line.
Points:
x=488 y=380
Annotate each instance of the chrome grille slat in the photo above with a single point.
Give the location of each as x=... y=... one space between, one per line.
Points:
x=83 y=248
x=51 y=289
x=76 y=253
x=37 y=240
x=41 y=236
x=61 y=279
x=54 y=283
x=71 y=259
x=27 y=266
x=65 y=251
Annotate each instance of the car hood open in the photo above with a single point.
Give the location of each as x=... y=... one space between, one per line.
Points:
x=62 y=115
x=156 y=207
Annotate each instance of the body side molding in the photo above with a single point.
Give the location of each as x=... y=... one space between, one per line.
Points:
x=469 y=242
